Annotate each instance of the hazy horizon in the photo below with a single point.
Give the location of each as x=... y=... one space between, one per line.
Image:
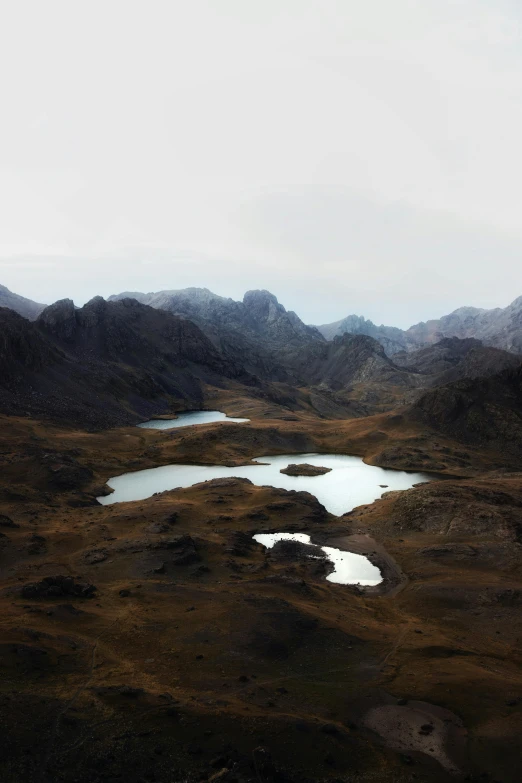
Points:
x=80 y=301
x=350 y=158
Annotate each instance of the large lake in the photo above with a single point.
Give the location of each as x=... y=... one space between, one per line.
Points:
x=350 y=482
x=187 y=419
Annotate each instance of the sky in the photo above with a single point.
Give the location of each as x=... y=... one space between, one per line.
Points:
x=351 y=157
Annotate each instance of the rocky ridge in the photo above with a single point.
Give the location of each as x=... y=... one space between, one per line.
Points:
x=499 y=328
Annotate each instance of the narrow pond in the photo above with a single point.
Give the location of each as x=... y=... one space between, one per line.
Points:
x=350 y=482
x=349 y=568
x=188 y=418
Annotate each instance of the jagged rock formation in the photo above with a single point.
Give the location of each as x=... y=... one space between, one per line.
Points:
x=25 y=307
x=499 y=328
x=258 y=332
x=390 y=337
x=106 y=363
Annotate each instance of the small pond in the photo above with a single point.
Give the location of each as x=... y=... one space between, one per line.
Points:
x=350 y=482
x=187 y=419
x=349 y=568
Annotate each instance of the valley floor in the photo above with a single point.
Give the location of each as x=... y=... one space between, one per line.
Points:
x=202 y=656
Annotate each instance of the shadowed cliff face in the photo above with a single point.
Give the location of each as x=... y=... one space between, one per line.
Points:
x=106 y=363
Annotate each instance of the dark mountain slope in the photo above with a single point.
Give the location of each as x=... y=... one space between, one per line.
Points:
x=258 y=332
x=22 y=349
x=26 y=307
x=352 y=359
x=479 y=411
x=106 y=363
x=452 y=359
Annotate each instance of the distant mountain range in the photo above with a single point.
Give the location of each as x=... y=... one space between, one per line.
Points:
x=26 y=307
x=237 y=325
x=500 y=328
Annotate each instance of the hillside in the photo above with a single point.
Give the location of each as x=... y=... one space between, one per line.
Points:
x=106 y=363
x=485 y=411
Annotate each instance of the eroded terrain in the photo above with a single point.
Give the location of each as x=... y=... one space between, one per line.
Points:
x=200 y=655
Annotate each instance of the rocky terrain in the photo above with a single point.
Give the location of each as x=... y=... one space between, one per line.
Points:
x=105 y=364
x=157 y=641
x=304 y=469
x=485 y=411
x=391 y=338
x=499 y=328
x=258 y=332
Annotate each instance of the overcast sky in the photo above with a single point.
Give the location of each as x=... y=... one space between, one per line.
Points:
x=352 y=157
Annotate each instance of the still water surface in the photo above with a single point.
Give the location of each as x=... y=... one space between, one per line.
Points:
x=188 y=418
x=349 y=568
x=349 y=484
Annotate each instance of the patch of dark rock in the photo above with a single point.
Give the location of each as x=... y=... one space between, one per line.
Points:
x=119 y=690
x=279 y=506
x=24 y=656
x=7 y=522
x=458 y=551
x=36 y=545
x=200 y=570
x=124 y=593
x=239 y=544
x=65 y=472
x=329 y=728
x=94 y=556
x=68 y=610
x=258 y=516
x=294 y=551
x=440 y=651
x=57 y=587
x=304 y=469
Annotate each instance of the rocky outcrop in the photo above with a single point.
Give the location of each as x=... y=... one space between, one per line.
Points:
x=24 y=307
x=58 y=587
x=304 y=470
